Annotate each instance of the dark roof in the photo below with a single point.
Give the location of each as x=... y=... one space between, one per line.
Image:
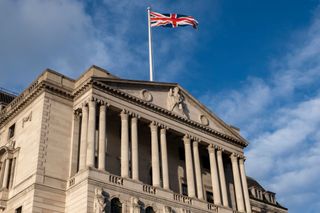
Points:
x=253 y=183
x=6 y=97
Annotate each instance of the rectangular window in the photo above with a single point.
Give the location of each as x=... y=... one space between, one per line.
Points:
x=181 y=154
x=184 y=188
x=205 y=162
x=209 y=197
x=11 y=130
x=18 y=210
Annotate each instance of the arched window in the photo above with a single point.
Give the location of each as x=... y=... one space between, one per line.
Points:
x=116 y=206
x=150 y=210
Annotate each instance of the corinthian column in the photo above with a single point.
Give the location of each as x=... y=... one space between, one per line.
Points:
x=214 y=175
x=164 y=158
x=222 y=178
x=237 y=182
x=189 y=166
x=124 y=145
x=135 y=152
x=6 y=174
x=244 y=185
x=102 y=138
x=197 y=169
x=155 y=155
x=83 y=141
x=91 y=133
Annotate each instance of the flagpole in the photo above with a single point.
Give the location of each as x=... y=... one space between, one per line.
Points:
x=150 y=46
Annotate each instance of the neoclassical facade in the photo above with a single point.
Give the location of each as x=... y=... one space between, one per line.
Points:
x=104 y=144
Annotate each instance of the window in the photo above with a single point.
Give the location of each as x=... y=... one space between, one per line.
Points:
x=209 y=197
x=150 y=210
x=184 y=188
x=11 y=130
x=181 y=154
x=205 y=162
x=18 y=210
x=116 y=206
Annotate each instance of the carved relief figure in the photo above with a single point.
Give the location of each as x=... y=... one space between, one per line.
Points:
x=167 y=209
x=99 y=204
x=135 y=206
x=174 y=99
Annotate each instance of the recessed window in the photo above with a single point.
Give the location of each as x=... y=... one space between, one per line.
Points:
x=209 y=197
x=18 y=210
x=184 y=188
x=181 y=154
x=12 y=130
x=205 y=162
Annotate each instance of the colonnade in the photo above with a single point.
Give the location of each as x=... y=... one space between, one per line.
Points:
x=192 y=159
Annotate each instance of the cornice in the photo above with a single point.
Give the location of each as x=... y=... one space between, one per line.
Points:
x=164 y=112
x=23 y=100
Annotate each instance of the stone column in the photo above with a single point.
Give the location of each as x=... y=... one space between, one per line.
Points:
x=245 y=185
x=124 y=144
x=222 y=178
x=83 y=141
x=189 y=166
x=197 y=169
x=6 y=174
x=91 y=133
x=237 y=182
x=74 y=145
x=13 y=165
x=135 y=148
x=164 y=158
x=214 y=175
x=155 y=155
x=102 y=138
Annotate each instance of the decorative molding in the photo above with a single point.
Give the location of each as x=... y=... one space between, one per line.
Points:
x=204 y=120
x=26 y=119
x=146 y=95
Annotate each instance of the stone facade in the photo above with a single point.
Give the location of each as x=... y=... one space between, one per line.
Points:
x=104 y=144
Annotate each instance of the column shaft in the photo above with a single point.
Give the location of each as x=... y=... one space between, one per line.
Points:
x=124 y=145
x=74 y=144
x=6 y=174
x=197 y=170
x=91 y=133
x=237 y=183
x=155 y=155
x=214 y=175
x=189 y=166
x=135 y=148
x=164 y=158
x=245 y=185
x=102 y=138
x=222 y=179
x=83 y=141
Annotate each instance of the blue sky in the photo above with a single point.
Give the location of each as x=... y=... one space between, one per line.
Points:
x=256 y=64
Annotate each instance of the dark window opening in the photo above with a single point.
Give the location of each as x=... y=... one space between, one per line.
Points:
x=181 y=154
x=18 y=210
x=205 y=162
x=116 y=206
x=11 y=130
x=150 y=210
x=184 y=188
x=209 y=197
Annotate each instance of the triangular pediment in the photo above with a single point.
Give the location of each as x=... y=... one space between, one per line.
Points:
x=173 y=98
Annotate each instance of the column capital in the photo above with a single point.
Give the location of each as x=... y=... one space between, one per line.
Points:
x=186 y=139
x=77 y=112
x=234 y=156
x=163 y=130
x=92 y=102
x=154 y=126
x=124 y=115
x=195 y=144
x=211 y=148
x=242 y=158
x=134 y=114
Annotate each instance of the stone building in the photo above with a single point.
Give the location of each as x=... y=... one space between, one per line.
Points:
x=105 y=144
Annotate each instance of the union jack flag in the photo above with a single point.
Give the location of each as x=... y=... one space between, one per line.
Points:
x=171 y=20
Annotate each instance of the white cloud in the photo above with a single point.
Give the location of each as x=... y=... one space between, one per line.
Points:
x=281 y=117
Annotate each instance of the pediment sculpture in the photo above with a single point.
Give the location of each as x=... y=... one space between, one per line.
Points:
x=175 y=102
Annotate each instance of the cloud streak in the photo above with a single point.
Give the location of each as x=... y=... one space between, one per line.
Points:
x=280 y=115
